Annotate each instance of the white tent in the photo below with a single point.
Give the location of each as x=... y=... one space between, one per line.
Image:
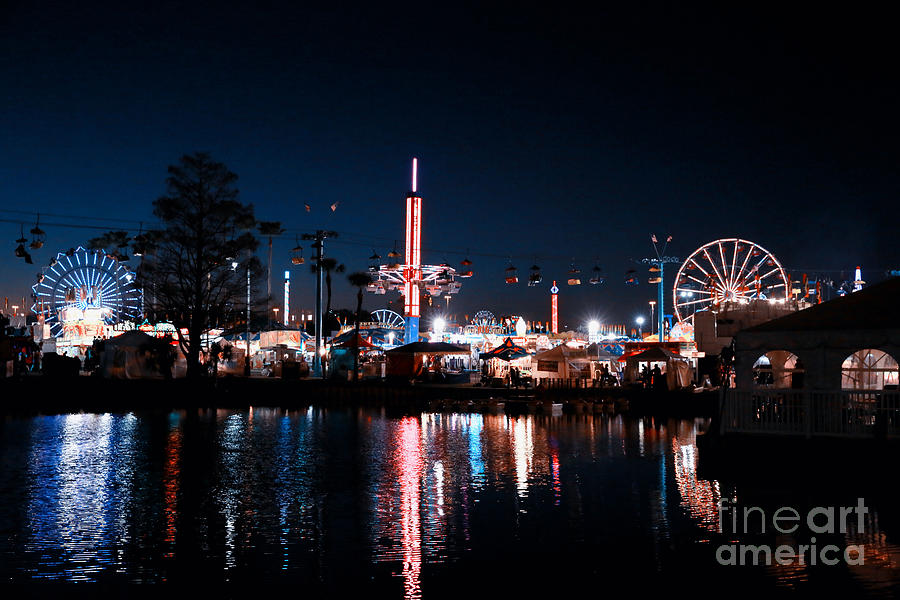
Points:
x=134 y=355
x=561 y=362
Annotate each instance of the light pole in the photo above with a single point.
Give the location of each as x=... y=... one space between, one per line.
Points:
x=652 y=304
x=657 y=268
x=640 y=324
x=247 y=353
x=319 y=246
x=275 y=310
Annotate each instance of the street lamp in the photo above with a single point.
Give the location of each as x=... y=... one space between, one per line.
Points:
x=15 y=308
x=275 y=310
x=321 y=355
x=438 y=326
x=652 y=305
x=640 y=323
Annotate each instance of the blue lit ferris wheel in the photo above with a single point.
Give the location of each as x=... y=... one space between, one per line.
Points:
x=86 y=285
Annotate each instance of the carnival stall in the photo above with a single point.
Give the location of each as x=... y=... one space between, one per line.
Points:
x=342 y=356
x=561 y=362
x=675 y=368
x=426 y=360
x=136 y=355
x=499 y=362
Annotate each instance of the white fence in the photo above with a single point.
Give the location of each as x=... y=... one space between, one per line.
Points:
x=858 y=414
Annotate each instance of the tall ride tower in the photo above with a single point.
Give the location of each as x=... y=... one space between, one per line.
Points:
x=413 y=270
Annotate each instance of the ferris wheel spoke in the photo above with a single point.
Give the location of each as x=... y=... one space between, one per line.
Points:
x=712 y=264
x=694 y=302
x=775 y=270
x=699 y=266
x=740 y=274
x=702 y=283
x=692 y=291
x=726 y=280
x=734 y=262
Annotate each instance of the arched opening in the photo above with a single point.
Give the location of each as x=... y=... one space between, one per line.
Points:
x=778 y=369
x=869 y=369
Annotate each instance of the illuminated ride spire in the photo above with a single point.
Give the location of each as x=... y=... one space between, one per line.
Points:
x=554 y=309
x=412 y=273
x=858 y=282
x=413 y=278
x=287 y=298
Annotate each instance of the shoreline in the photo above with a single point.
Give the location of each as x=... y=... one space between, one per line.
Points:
x=39 y=394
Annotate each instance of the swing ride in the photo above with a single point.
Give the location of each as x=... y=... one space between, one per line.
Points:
x=728 y=269
x=411 y=278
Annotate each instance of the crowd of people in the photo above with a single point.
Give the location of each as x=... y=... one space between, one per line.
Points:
x=653 y=379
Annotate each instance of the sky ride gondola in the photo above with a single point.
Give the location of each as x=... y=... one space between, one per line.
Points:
x=597 y=276
x=297 y=253
x=511 y=274
x=393 y=255
x=631 y=277
x=466 y=272
x=535 y=277
x=574 y=279
x=38 y=236
x=20 y=251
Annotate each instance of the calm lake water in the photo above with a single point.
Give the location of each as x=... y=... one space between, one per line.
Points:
x=423 y=506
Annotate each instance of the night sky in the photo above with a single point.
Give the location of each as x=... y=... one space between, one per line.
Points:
x=542 y=137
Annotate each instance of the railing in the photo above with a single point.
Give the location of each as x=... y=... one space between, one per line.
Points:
x=859 y=414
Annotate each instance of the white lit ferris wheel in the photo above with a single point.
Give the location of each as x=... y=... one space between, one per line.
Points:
x=727 y=270
x=85 y=285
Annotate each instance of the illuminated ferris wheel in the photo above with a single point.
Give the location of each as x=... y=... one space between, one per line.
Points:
x=85 y=286
x=387 y=318
x=727 y=270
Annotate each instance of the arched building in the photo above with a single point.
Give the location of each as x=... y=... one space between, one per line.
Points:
x=861 y=329
x=831 y=369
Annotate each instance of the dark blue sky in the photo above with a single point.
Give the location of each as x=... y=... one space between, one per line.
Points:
x=541 y=136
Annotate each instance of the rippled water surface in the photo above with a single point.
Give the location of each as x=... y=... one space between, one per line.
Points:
x=407 y=507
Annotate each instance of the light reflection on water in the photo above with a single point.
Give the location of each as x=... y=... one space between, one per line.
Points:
x=355 y=497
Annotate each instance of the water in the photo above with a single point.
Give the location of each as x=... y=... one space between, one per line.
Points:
x=421 y=506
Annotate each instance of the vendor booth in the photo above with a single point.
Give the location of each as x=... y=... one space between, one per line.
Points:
x=674 y=368
x=136 y=355
x=341 y=361
x=427 y=361
x=605 y=366
x=499 y=363
x=561 y=362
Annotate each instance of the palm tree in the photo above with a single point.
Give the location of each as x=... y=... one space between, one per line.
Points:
x=329 y=265
x=269 y=229
x=359 y=280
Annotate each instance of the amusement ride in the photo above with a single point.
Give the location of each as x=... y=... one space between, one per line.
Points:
x=730 y=269
x=412 y=277
x=82 y=290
